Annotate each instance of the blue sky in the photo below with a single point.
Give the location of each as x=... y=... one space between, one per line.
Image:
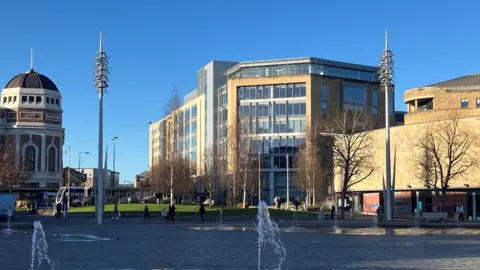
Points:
x=154 y=45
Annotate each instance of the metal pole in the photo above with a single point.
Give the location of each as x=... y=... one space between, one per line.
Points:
x=259 y=179
x=79 y=158
x=68 y=184
x=288 y=185
x=388 y=206
x=113 y=175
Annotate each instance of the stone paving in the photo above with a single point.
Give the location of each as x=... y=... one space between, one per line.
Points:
x=158 y=245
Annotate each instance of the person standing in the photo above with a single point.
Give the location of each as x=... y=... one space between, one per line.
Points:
x=202 y=211
x=332 y=212
x=59 y=209
x=146 y=213
x=171 y=212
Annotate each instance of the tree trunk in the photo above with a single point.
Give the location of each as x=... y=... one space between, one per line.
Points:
x=234 y=191
x=210 y=197
x=244 y=196
x=444 y=198
x=342 y=204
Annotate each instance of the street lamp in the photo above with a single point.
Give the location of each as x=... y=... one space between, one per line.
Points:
x=80 y=158
x=101 y=83
x=113 y=174
x=152 y=167
x=68 y=183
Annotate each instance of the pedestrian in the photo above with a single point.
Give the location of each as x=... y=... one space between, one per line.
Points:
x=164 y=214
x=380 y=213
x=296 y=203
x=460 y=212
x=202 y=211
x=115 y=211
x=171 y=212
x=146 y=213
x=64 y=210
x=332 y=212
x=59 y=210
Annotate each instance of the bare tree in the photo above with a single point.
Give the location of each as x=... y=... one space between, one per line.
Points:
x=175 y=124
x=184 y=183
x=308 y=165
x=12 y=169
x=210 y=173
x=246 y=160
x=230 y=182
x=445 y=154
x=348 y=137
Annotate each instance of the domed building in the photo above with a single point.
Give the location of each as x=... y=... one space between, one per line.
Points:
x=31 y=117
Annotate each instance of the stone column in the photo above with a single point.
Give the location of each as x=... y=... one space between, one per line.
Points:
x=42 y=153
x=17 y=145
x=416 y=105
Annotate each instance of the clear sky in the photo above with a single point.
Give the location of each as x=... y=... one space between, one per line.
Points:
x=154 y=45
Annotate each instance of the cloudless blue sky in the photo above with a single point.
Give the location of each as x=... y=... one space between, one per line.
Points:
x=154 y=45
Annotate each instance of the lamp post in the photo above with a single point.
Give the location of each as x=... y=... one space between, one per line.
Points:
x=386 y=78
x=101 y=83
x=80 y=158
x=113 y=174
x=68 y=181
x=288 y=184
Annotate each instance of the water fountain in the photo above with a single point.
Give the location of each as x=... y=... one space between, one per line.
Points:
x=268 y=233
x=39 y=248
x=9 y=219
x=294 y=219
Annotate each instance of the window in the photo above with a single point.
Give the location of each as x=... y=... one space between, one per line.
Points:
x=478 y=102
x=30 y=158
x=194 y=111
x=57 y=101
x=324 y=101
x=267 y=91
x=289 y=90
x=375 y=102
x=31 y=99
x=24 y=99
x=354 y=97
x=38 y=99
x=51 y=159
x=187 y=115
x=48 y=100
x=299 y=90
x=194 y=142
x=4 y=100
x=194 y=126
x=464 y=102
x=9 y=99
x=15 y=99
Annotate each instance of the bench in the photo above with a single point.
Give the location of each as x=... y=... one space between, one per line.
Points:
x=436 y=216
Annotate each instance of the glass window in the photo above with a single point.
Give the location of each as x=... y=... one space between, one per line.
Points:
x=299 y=90
x=478 y=102
x=282 y=109
x=464 y=103
x=194 y=126
x=282 y=126
x=375 y=102
x=4 y=100
x=51 y=159
x=324 y=101
x=276 y=91
x=187 y=130
x=48 y=100
x=194 y=141
x=9 y=99
x=267 y=89
x=240 y=93
x=14 y=99
x=259 y=92
x=194 y=111
x=303 y=109
x=24 y=99
x=354 y=97
x=289 y=90
x=187 y=144
x=30 y=157
x=39 y=99
x=31 y=99
x=282 y=91
x=253 y=111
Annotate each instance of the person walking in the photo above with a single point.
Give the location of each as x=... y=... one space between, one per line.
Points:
x=64 y=210
x=115 y=211
x=146 y=213
x=59 y=209
x=332 y=212
x=171 y=212
x=380 y=213
x=296 y=203
x=202 y=211
x=460 y=213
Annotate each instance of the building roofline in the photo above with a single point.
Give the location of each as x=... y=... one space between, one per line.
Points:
x=216 y=61
x=299 y=60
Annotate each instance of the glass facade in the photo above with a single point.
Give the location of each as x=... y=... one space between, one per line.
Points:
x=375 y=102
x=272 y=91
x=354 y=97
x=305 y=68
x=324 y=102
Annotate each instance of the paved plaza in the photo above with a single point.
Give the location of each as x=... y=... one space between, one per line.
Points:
x=159 y=245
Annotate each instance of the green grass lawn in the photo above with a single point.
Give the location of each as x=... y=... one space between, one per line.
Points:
x=185 y=210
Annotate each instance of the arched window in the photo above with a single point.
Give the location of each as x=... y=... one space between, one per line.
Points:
x=30 y=155
x=51 y=159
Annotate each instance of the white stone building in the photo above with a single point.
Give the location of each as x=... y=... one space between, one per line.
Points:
x=31 y=115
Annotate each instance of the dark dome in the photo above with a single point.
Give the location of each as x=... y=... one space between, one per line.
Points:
x=31 y=79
